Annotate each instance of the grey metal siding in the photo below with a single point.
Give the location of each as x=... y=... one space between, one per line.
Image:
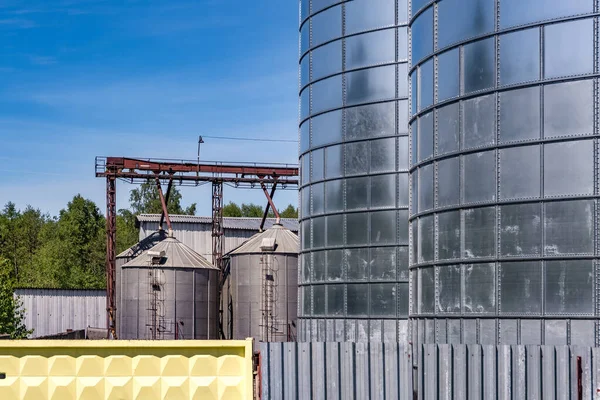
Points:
x=247 y=293
x=198 y=236
x=335 y=371
x=51 y=311
x=190 y=296
x=385 y=371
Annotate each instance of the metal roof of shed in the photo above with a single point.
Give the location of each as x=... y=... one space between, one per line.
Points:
x=228 y=222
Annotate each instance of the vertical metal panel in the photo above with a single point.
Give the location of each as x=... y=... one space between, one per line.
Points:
x=504 y=373
x=563 y=380
x=489 y=372
x=391 y=370
x=596 y=372
x=290 y=372
x=361 y=372
x=548 y=372
x=430 y=369
x=582 y=355
x=518 y=372
x=276 y=370
x=376 y=370
x=51 y=311
x=304 y=371
x=445 y=372
x=406 y=372
x=459 y=370
x=474 y=372
x=319 y=365
x=347 y=378
x=534 y=377
x=265 y=372
x=332 y=372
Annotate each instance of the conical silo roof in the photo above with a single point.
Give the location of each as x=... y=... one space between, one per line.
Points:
x=174 y=255
x=276 y=239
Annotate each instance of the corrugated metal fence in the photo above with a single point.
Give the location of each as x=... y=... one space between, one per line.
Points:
x=385 y=371
x=332 y=371
x=509 y=372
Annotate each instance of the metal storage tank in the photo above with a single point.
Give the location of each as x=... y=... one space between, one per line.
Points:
x=124 y=257
x=168 y=292
x=504 y=172
x=262 y=288
x=354 y=170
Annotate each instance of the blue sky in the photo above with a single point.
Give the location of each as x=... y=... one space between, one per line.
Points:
x=81 y=78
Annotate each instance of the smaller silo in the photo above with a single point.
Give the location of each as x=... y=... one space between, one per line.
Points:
x=127 y=255
x=261 y=290
x=168 y=292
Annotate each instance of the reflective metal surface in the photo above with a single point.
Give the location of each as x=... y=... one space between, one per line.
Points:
x=354 y=164
x=504 y=172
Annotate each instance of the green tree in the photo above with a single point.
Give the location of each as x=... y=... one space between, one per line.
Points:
x=12 y=315
x=9 y=238
x=145 y=200
x=289 y=212
x=252 y=210
x=127 y=232
x=74 y=249
x=232 y=210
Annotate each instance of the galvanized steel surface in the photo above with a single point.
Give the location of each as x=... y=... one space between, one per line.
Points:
x=354 y=161
x=286 y=242
x=504 y=172
x=51 y=311
x=353 y=330
x=187 y=307
x=174 y=299
x=245 y=289
x=441 y=372
x=505 y=372
x=335 y=371
x=177 y=255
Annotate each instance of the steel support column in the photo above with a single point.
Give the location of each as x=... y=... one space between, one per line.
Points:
x=217 y=223
x=111 y=239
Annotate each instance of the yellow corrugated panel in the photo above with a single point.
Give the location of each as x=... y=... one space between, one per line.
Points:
x=50 y=369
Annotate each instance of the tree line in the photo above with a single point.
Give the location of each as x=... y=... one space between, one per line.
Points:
x=68 y=250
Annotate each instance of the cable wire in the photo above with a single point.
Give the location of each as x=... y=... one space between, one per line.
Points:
x=251 y=139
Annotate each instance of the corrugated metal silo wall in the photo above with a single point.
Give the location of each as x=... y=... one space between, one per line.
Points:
x=51 y=311
x=199 y=236
x=354 y=170
x=120 y=261
x=504 y=172
x=247 y=290
x=188 y=296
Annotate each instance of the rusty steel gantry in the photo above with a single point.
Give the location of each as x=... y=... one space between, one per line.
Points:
x=135 y=170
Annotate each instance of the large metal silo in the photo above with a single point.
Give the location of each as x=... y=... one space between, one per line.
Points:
x=354 y=170
x=261 y=290
x=168 y=292
x=504 y=172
